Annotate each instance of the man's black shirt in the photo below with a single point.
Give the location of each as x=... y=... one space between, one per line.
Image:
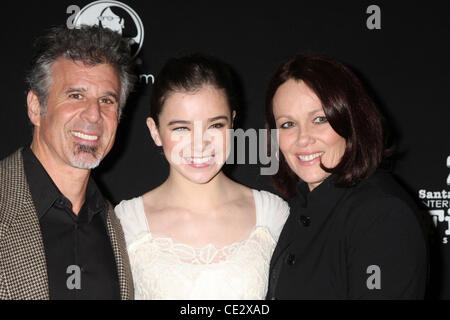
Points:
x=79 y=255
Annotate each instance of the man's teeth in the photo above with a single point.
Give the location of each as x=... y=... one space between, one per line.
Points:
x=84 y=136
x=310 y=157
x=199 y=160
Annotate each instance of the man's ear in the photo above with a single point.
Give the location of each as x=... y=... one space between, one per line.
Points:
x=34 y=108
x=154 y=131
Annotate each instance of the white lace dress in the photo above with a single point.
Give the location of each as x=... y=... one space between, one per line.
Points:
x=163 y=269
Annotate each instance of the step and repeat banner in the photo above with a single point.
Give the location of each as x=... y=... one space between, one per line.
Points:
x=400 y=49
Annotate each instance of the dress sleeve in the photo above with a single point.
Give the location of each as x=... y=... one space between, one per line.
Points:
x=387 y=252
x=271 y=212
x=132 y=218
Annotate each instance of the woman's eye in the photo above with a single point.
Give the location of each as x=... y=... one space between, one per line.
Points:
x=217 y=126
x=320 y=120
x=180 y=129
x=286 y=125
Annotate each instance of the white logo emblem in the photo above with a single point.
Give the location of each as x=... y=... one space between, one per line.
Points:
x=116 y=16
x=438 y=204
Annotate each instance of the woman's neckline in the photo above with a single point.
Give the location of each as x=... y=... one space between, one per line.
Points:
x=210 y=244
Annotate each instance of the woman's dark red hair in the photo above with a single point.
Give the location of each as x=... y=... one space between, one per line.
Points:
x=349 y=110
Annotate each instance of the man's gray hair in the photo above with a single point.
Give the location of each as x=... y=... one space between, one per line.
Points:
x=90 y=45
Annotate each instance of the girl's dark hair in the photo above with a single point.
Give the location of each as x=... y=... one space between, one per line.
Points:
x=189 y=74
x=349 y=110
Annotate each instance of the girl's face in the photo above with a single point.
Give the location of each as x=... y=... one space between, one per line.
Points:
x=193 y=132
x=306 y=138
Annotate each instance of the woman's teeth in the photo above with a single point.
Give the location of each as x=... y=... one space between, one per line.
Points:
x=199 y=160
x=310 y=157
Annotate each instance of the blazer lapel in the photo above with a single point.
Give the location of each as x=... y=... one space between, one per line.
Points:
x=120 y=253
x=22 y=256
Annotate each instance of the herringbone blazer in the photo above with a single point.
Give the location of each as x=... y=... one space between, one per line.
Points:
x=23 y=268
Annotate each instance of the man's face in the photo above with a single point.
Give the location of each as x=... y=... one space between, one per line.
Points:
x=80 y=123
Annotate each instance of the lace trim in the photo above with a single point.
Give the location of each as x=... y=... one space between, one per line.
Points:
x=207 y=254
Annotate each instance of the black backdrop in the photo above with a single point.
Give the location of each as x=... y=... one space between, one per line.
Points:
x=404 y=63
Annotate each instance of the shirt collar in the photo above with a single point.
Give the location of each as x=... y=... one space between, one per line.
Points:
x=95 y=202
x=45 y=193
x=325 y=195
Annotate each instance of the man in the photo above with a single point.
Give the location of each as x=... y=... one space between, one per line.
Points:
x=59 y=238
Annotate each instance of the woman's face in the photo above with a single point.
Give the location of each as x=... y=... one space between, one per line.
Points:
x=112 y=21
x=306 y=137
x=193 y=132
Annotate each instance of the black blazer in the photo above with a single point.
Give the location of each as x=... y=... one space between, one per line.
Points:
x=363 y=242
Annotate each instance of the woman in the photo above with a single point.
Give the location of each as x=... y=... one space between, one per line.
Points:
x=199 y=235
x=353 y=232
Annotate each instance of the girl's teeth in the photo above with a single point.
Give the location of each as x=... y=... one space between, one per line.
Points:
x=199 y=160
x=310 y=157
